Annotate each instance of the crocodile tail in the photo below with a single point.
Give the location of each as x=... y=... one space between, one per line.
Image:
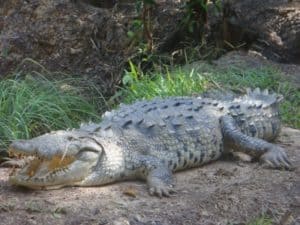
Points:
x=264 y=96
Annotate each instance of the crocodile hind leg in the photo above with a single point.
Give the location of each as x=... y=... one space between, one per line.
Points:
x=271 y=154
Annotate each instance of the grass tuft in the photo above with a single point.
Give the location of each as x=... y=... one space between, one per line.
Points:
x=263 y=220
x=147 y=86
x=29 y=107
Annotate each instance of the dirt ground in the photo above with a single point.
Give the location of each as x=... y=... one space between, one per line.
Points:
x=224 y=192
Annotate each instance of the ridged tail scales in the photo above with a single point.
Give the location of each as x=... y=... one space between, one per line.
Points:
x=256 y=119
x=264 y=96
x=257 y=114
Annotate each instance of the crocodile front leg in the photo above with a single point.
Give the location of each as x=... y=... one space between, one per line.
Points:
x=271 y=154
x=157 y=174
x=160 y=181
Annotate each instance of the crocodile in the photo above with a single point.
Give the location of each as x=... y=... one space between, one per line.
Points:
x=151 y=139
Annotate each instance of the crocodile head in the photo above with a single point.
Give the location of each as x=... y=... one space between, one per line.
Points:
x=56 y=159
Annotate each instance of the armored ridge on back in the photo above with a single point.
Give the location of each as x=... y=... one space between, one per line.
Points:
x=151 y=139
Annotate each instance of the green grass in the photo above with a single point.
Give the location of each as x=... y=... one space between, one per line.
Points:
x=178 y=84
x=181 y=82
x=147 y=86
x=29 y=107
x=235 y=78
x=262 y=220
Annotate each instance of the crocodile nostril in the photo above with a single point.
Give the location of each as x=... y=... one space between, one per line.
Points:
x=70 y=138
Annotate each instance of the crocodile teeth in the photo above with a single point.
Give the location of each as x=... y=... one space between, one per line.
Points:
x=265 y=92
x=31 y=164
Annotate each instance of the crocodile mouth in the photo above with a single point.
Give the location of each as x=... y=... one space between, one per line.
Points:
x=30 y=164
x=54 y=160
x=38 y=172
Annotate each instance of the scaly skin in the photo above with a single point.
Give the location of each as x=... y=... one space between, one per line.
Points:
x=152 y=139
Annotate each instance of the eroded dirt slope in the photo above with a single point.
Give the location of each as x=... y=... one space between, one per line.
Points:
x=71 y=37
x=219 y=193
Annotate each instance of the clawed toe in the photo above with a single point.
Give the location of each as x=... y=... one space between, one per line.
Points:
x=160 y=182
x=277 y=159
x=161 y=191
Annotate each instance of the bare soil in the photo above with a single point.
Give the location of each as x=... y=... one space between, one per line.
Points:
x=66 y=37
x=223 y=192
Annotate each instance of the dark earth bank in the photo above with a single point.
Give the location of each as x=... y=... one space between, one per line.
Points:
x=90 y=38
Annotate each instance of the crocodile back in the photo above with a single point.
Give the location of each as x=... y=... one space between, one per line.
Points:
x=181 y=131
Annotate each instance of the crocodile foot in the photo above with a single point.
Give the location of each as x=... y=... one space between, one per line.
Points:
x=160 y=182
x=160 y=189
x=277 y=158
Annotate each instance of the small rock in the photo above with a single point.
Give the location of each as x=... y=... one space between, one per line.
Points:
x=130 y=191
x=121 y=221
